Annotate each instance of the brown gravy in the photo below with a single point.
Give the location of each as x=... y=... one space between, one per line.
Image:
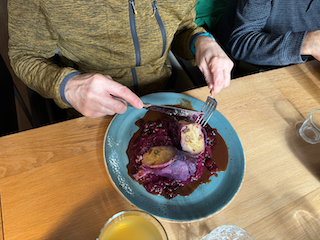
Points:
x=219 y=154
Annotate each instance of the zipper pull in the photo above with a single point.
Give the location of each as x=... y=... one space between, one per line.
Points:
x=133 y=6
x=154 y=7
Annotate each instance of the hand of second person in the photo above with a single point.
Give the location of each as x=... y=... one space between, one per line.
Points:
x=214 y=63
x=89 y=94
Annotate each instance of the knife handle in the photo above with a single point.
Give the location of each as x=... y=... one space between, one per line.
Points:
x=121 y=100
x=145 y=105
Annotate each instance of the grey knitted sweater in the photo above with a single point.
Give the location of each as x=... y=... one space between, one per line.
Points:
x=271 y=32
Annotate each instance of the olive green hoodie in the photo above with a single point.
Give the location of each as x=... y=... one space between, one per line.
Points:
x=126 y=39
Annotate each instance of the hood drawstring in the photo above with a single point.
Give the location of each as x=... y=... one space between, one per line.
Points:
x=154 y=7
x=133 y=6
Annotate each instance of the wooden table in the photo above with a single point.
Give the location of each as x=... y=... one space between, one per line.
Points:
x=54 y=184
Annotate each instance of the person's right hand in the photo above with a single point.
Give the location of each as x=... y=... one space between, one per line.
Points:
x=89 y=94
x=311 y=44
x=214 y=64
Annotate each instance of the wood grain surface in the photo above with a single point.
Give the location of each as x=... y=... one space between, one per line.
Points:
x=54 y=184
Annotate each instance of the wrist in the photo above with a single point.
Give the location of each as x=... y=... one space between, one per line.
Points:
x=192 y=46
x=63 y=86
x=305 y=44
x=310 y=43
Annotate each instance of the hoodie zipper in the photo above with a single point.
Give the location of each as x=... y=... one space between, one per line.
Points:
x=132 y=12
x=161 y=26
x=133 y=29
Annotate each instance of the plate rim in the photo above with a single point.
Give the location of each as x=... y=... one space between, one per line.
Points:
x=229 y=200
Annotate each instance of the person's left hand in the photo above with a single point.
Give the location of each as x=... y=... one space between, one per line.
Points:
x=214 y=63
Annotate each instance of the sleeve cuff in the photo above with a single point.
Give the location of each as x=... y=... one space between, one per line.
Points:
x=63 y=85
x=194 y=38
x=291 y=51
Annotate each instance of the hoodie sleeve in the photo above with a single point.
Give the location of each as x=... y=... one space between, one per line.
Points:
x=32 y=42
x=249 y=43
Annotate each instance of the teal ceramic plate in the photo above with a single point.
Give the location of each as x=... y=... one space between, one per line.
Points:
x=206 y=199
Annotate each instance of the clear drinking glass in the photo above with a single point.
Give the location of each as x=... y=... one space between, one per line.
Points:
x=310 y=129
x=133 y=225
x=228 y=232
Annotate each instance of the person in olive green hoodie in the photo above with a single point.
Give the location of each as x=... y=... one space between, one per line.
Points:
x=107 y=47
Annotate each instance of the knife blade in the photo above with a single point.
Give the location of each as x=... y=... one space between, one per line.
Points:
x=169 y=110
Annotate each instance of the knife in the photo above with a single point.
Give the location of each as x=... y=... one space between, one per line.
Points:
x=169 y=110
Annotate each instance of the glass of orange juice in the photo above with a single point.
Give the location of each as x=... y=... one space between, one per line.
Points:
x=133 y=225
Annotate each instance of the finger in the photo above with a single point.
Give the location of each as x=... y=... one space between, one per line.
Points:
x=204 y=68
x=94 y=109
x=101 y=103
x=222 y=81
x=100 y=114
x=218 y=79
x=108 y=105
x=227 y=77
x=125 y=93
x=117 y=106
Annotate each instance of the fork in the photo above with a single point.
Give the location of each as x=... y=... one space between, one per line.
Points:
x=208 y=108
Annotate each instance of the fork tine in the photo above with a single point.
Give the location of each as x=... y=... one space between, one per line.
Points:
x=207 y=110
x=206 y=116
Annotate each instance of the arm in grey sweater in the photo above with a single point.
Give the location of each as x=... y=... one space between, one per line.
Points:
x=257 y=41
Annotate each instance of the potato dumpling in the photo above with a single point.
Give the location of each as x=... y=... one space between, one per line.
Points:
x=192 y=138
x=159 y=155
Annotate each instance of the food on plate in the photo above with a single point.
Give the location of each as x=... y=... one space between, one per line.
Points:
x=167 y=161
x=173 y=155
x=192 y=138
